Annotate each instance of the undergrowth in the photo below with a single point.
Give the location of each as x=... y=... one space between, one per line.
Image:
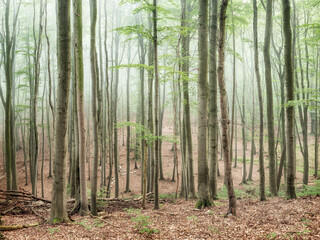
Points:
x=142 y=221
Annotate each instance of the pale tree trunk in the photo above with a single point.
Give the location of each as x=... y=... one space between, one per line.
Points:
x=150 y=112
x=142 y=56
x=50 y=89
x=34 y=91
x=270 y=116
x=115 y=108
x=257 y=71
x=59 y=203
x=77 y=28
x=243 y=121
x=224 y=111
x=252 y=134
x=94 y=76
x=203 y=178
x=288 y=58
x=43 y=142
x=128 y=120
x=213 y=104
x=234 y=87
x=316 y=135
x=109 y=107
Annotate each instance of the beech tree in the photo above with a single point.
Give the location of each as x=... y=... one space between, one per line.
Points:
x=59 y=188
x=203 y=170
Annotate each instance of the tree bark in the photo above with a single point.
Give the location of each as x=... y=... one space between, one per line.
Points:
x=224 y=111
x=213 y=104
x=270 y=116
x=156 y=106
x=94 y=76
x=258 y=78
x=77 y=28
x=59 y=204
x=203 y=176
x=288 y=58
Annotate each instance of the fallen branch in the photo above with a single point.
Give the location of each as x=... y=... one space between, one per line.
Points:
x=16 y=227
x=23 y=195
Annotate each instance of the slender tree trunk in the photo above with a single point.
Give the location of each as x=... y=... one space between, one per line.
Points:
x=316 y=135
x=244 y=140
x=150 y=110
x=156 y=106
x=288 y=57
x=252 y=135
x=224 y=111
x=185 y=52
x=213 y=104
x=257 y=71
x=59 y=203
x=234 y=85
x=270 y=116
x=128 y=120
x=94 y=76
x=77 y=28
x=115 y=106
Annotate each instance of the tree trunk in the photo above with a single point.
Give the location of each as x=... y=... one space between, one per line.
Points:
x=203 y=176
x=185 y=52
x=213 y=105
x=156 y=106
x=94 y=79
x=288 y=58
x=59 y=203
x=77 y=28
x=128 y=120
x=270 y=116
x=224 y=111
x=257 y=71
x=150 y=111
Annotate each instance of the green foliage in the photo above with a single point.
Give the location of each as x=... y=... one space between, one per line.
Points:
x=142 y=221
x=167 y=196
x=272 y=236
x=214 y=230
x=53 y=230
x=193 y=218
x=144 y=133
x=85 y=224
x=309 y=190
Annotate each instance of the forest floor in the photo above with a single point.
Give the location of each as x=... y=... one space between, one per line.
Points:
x=276 y=218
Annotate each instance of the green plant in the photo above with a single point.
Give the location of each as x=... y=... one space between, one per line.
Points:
x=98 y=223
x=272 y=236
x=85 y=224
x=214 y=230
x=305 y=231
x=193 y=218
x=52 y=230
x=142 y=221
